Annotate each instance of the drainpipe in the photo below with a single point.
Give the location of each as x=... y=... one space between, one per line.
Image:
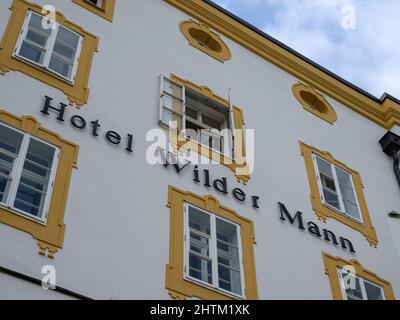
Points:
x=390 y=144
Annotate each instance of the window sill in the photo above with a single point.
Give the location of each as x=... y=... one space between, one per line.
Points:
x=230 y=295
x=44 y=69
x=360 y=222
x=184 y=144
x=22 y=214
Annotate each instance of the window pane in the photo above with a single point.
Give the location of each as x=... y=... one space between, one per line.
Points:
x=64 y=52
x=348 y=194
x=324 y=167
x=172 y=89
x=374 y=292
x=60 y=66
x=229 y=280
x=66 y=43
x=35 y=178
x=6 y=164
x=228 y=257
x=172 y=104
x=200 y=268
x=200 y=263
x=35 y=23
x=37 y=38
x=352 y=286
x=168 y=116
x=4 y=185
x=32 y=53
x=331 y=198
x=199 y=220
x=211 y=122
x=191 y=113
x=33 y=46
x=10 y=140
x=10 y=145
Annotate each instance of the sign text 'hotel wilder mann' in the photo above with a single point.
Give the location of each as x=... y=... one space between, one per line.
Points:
x=220 y=185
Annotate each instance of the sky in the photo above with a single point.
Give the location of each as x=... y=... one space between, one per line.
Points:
x=359 y=40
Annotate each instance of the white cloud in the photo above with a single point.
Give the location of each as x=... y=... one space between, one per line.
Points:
x=367 y=56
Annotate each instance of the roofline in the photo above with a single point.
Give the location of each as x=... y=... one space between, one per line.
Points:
x=383 y=97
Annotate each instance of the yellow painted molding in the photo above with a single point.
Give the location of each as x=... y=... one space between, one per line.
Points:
x=177 y=286
x=200 y=36
x=314 y=102
x=323 y=211
x=182 y=144
x=50 y=237
x=333 y=263
x=106 y=12
x=385 y=113
x=76 y=93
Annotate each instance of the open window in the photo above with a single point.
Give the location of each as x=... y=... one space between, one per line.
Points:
x=200 y=118
x=205 y=123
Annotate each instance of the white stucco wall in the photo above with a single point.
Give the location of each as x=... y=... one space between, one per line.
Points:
x=117 y=234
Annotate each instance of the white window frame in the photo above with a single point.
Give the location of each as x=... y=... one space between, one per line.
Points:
x=230 y=120
x=49 y=48
x=213 y=252
x=16 y=175
x=342 y=209
x=362 y=286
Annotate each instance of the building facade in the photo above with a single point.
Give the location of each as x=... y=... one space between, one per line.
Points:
x=157 y=149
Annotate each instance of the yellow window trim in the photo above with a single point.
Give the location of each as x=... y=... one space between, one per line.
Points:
x=178 y=287
x=324 y=110
x=50 y=237
x=333 y=263
x=386 y=112
x=106 y=12
x=323 y=211
x=78 y=92
x=215 y=47
x=182 y=144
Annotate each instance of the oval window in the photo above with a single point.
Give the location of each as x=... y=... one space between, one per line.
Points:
x=205 y=40
x=314 y=102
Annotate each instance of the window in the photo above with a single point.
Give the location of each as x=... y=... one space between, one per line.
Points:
x=349 y=280
x=213 y=253
x=59 y=55
x=35 y=171
x=337 y=192
x=103 y=8
x=200 y=118
x=211 y=250
x=205 y=123
x=56 y=50
x=361 y=290
x=314 y=102
x=27 y=167
x=97 y=3
x=337 y=188
x=201 y=37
